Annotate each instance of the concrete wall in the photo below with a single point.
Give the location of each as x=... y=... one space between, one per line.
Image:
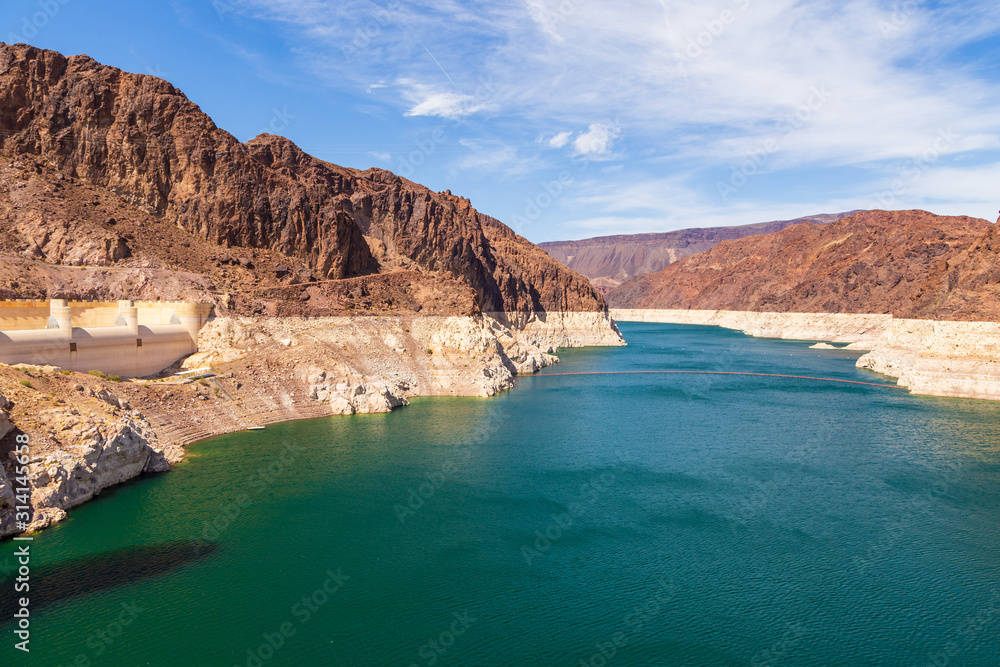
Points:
x=23 y=314
x=28 y=314
x=112 y=340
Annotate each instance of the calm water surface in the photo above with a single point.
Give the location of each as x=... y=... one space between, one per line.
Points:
x=585 y=520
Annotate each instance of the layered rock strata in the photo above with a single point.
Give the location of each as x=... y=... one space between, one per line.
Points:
x=957 y=359
x=335 y=290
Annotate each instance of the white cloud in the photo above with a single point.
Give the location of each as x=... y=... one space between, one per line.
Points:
x=426 y=100
x=723 y=87
x=596 y=143
x=381 y=156
x=445 y=105
x=559 y=140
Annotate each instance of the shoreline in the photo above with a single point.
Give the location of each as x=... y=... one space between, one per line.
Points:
x=954 y=359
x=90 y=433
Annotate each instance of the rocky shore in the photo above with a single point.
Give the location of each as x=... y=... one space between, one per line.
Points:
x=957 y=359
x=930 y=358
x=88 y=433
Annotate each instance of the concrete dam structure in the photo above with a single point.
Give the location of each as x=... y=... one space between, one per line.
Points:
x=126 y=338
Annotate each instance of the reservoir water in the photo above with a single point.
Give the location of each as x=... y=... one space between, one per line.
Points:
x=575 y=520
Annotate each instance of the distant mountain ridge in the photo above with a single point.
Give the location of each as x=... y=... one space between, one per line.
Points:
x=911 y=264
x=608 y=261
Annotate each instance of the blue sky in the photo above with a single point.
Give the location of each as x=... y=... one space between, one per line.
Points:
x=576 y=118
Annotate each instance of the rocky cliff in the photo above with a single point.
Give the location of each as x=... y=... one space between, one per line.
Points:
x=108 y=168
x=610 y=260
x=965 y=286
x=911 y=264
x=83 y=438
x=335 y=291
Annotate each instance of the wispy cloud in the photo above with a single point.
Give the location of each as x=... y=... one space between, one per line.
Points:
x=494 y=157
x=693 y=86
x=428 y=100
x=633 y=61
x=559 y=140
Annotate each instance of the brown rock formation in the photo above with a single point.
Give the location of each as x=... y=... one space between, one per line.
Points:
x=966 y=286
x=136 y=144
x=907 y=263
x=610 y=260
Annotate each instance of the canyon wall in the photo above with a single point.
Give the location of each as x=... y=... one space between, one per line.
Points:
x=921 y=292
x=90 y=129
x=910 y=264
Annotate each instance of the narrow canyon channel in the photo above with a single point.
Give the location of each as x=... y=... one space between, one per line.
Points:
x=625 y=519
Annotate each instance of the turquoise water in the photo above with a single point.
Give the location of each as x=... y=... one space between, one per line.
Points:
x=584 y=520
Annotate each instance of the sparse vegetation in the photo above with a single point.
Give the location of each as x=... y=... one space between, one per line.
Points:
x=203 y=382
x=26 y=383
x=97 y=374
x=115 y=378
x=64 y=372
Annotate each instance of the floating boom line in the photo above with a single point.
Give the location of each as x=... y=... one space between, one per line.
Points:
x=764 y=375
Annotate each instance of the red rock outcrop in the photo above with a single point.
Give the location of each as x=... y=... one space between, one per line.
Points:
x=907 y=263
x=966 y=286
x=142 y=140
